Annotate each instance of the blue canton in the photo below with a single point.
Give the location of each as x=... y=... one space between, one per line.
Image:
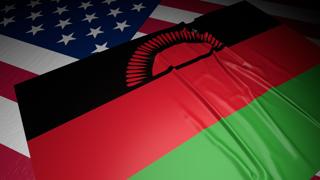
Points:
x=74 y=28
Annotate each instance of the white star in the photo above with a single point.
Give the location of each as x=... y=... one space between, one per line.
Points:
x=85 y=5
x=114 y=12
x=33 y=3
x=61 y=10
x=138 y=7
x=121 y=26
x=63 y=24
x=95 y=32
x=8 y=8
x=89 y=18
x=66 y=38
x=108 y=1
x=33 y=15
x=6 y=21
x=35 y=29
x=100 y=48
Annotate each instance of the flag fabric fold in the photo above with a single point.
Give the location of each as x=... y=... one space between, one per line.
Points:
x=231 y=95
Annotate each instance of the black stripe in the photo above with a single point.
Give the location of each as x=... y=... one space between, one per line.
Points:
x=235 y=23
x=54 y=98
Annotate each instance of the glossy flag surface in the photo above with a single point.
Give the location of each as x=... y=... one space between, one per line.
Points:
x=228 y=96
x=22 y=59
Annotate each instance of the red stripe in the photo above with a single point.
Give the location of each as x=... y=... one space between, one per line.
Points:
x=127 y=134
x=315 y=178
x=192 y=5
x=14 y=166
x=9 y=76
x=152 y=25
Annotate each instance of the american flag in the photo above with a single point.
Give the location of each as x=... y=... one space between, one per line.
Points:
x=38 y=36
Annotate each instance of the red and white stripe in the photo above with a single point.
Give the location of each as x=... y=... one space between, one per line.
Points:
x=316 y=176
x=20 y=61
x=14 y=166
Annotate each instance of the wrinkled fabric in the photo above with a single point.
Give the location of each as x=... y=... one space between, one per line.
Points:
x=274 y=135
x=177 y=105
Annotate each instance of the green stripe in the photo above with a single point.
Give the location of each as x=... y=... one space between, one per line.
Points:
x=276 y=136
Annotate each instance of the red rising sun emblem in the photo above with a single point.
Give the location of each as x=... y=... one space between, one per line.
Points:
x=147 y=62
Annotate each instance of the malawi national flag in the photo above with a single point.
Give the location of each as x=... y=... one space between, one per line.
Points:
x=231 y=95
